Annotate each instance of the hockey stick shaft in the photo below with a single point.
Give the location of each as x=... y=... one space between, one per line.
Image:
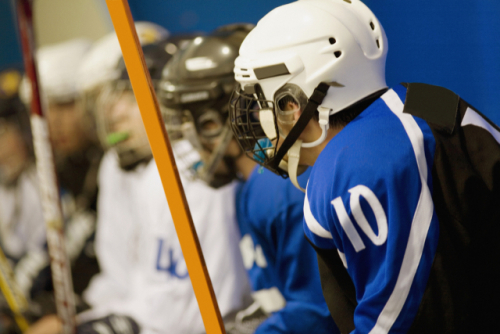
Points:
x=162 y=152
x=49 y=191
x=13 y=295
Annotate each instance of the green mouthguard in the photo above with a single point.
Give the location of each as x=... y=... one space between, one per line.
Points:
x=116 y=137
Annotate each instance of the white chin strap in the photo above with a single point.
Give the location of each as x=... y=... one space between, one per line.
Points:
x=293 y=163
x=294 y=151
x=324 y=116
x=267 y=122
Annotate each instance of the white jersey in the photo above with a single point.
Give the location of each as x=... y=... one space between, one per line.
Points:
x=143 y=273
x=22 y=228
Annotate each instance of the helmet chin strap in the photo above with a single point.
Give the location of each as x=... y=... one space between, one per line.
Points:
x=267 y=122
x=324 y=115
x=217 y=155
x=294 y=151
x=293 y=163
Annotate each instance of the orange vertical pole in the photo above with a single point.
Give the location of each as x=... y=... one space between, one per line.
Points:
x=162 y=152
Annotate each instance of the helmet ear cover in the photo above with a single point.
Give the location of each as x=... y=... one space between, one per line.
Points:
x=307 y=114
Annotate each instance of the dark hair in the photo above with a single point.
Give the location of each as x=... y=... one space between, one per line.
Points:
x=13 y=111
x=343 y=117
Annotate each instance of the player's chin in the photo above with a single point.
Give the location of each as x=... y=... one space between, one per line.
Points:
x=301 y=169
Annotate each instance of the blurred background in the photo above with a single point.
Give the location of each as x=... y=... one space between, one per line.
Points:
x=452 y=43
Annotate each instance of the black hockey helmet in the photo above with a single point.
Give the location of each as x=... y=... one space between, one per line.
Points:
x=198 y=83
x=201 y=76
x=155 y=56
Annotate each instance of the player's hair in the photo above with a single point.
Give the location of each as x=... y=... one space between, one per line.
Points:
x=344 y=117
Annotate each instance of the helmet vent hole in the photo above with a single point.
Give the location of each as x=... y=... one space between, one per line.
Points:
x=244 y=69
x=332 y=40
x=372 y=25
x=378 y=44
x=246 y=76
x=337 y=54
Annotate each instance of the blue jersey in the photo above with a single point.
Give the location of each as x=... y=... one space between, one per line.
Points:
x=281 y=264
x=369 y=197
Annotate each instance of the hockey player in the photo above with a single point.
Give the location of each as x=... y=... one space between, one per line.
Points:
x=22 y=228
x=77 y=154
x=21 y=220
x=75 y=147
x=144 y=284
x=402 y=201
x=282 y=267
x=76 y=168
x=77 y=157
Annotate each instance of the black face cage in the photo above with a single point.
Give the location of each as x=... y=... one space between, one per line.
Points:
x=244 y=115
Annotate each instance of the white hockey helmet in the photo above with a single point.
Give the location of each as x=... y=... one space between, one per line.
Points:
x=117 y=114
x=296 y=48
x=57 y=69
x=99 y=65
x=57 y=66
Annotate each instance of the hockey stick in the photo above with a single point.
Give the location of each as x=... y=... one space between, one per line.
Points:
x=162 y=152
x=13 y=295
x=49 y=192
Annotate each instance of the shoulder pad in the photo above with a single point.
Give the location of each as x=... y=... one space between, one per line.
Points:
x=434 y=104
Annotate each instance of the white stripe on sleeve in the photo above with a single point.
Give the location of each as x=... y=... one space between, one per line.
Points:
x=473 y=118
x=419 y=226
x=342 y=257
x=312 y=223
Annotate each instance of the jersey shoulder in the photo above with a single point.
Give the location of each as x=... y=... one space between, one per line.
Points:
x=374 y=146
x=373 y=155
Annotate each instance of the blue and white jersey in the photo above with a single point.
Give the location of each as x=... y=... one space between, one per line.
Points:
x=280 y=262
x=369 y=197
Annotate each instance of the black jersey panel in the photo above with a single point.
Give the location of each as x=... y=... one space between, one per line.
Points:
x=437 y=105
x=338 y=288
x=463 y=290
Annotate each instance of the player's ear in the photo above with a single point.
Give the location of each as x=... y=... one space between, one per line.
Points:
x=297 y=114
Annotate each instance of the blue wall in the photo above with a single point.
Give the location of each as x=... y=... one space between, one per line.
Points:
x=452 y=43
x=201 y=15
x=10 y=49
